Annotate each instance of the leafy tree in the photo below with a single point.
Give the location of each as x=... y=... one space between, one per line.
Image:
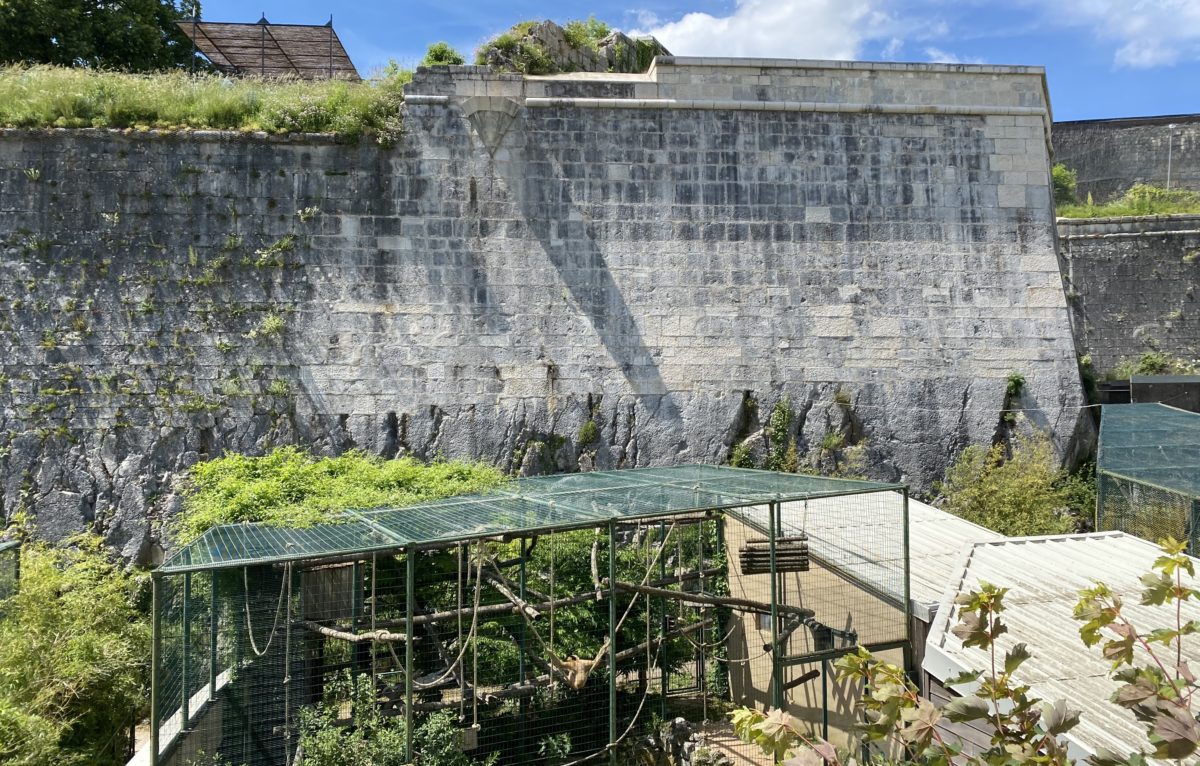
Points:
x=133 y=35
x=291 y=487
x=1023 y=728
x=1159 y=693
x=441 y=54
x=73 y=649
x=586 y=34
x=1065 y=182
x=1025 y=493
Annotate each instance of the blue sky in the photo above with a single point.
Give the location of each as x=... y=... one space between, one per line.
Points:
x=1104 y=58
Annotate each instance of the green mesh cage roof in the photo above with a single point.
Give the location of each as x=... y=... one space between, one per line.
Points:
x=1152 y=444
x=525 y=506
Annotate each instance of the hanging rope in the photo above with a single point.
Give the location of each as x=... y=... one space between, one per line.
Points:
x=284 y=589
x=471 y=634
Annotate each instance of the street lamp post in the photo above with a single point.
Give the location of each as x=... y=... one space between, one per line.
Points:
x=1170 y=143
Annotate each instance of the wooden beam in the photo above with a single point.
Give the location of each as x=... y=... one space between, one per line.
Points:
x=744 y=604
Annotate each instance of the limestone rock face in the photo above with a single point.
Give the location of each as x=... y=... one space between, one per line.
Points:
x=544 y=48
x=663 y=257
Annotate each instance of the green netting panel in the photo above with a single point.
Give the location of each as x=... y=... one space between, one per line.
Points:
x=1145 y=510
x=510 y=660
x=525 y=506
x=1148 y=472
x=10 y=568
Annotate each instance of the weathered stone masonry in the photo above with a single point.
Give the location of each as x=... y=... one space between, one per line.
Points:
x=667 y=254
x=1132 y=285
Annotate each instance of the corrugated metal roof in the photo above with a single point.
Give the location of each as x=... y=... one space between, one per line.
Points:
x=863 y=534
x=1044 y=576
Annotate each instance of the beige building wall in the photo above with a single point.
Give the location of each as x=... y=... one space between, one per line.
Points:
x=837 y=602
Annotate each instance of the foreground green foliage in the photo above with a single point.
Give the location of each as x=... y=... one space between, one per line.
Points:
x=1159 y=692
x=1022 y=493
x=44 y=96
x=135 y=35
x=291 y=487
x=1155 y=684
x=73 y=657
x=375 y=739
x=1065 y=182
x=1141 y=199
x=1153 y=363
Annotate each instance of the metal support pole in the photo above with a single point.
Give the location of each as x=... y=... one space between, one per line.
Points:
x=1194 y=527
x=825 y=700
x=663 y=675
x=409 y=596
x=776 y=676
x=213 y=609
x=186 y=653
x=524 y=704
x=155 y=659
x=612 y=642
x=909 y=663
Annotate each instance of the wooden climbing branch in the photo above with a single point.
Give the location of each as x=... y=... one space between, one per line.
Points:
x=354 y=638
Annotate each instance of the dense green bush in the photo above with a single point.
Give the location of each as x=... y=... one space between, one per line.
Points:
x=586 y=34
x=1022 y=493
x=44 y=96
x=1153 y=363
x=74 y=649
x=1141 y=199
x=1065 y=182
x=291 y=487
x=441 y=54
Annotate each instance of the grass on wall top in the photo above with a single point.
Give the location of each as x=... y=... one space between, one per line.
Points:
x=47 y=96
x=1141 y=199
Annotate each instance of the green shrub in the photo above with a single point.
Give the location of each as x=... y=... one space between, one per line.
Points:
x=1153 y=363
x=291 y=487
x=1025 y=494
x=588 y=432
x=1065 y=182
x=441 y=54
x=46 y=96
x=586 y=34
x=73 y=651
x=1141 y=199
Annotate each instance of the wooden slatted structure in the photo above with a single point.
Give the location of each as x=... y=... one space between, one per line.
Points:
x=307 y=51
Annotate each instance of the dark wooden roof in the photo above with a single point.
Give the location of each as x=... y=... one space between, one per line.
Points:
x=311 y=52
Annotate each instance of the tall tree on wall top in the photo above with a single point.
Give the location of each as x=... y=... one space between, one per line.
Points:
x=134 y=35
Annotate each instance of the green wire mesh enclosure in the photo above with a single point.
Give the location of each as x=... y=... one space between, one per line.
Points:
x=1148 y=472
x=10 y=567
x=552 y=621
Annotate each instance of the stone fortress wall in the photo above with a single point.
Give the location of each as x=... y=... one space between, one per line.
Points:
x=666 y=255
x=1132 y=286
x=1109 y=156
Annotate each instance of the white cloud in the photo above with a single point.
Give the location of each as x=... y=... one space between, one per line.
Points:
x=816 y=29
x=891 y=51
x=1149 y=33
x=939 y=56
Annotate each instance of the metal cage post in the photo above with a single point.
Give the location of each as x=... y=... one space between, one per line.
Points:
x=612 y=642
x=184 y=707
x=155 y=658
x=908 y=626
x=1194 y=527
x=523 y=705
x=776 y=675
x=213 y=609
x=409 y=597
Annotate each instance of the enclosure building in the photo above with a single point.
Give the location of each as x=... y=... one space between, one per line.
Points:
x=549 y=621
x=1148 y=472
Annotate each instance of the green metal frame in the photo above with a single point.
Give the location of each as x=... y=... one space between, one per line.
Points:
x=387 y=540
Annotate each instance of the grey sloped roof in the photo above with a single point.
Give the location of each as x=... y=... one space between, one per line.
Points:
x=1044 y=576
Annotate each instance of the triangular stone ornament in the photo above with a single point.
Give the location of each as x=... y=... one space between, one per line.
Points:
x=491 y=117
